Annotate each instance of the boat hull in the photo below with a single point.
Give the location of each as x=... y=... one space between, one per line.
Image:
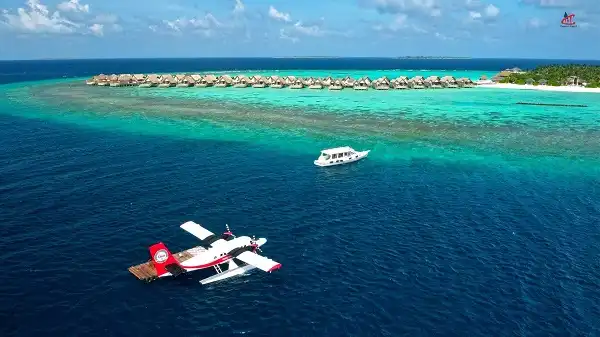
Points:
x=333 y=162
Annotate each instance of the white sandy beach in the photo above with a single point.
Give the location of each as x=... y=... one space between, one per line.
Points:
x=539 y=87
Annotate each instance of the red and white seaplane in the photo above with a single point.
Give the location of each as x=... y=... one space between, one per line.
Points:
x=227 y=254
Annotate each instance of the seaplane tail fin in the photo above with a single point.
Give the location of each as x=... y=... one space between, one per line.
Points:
x=164 y=262
x=260 y=262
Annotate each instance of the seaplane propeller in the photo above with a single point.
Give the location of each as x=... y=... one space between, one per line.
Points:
x=254 y=241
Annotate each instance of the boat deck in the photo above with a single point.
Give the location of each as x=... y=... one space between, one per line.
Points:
x=146 y=271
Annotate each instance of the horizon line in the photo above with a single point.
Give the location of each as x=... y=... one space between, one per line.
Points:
x=299 y=57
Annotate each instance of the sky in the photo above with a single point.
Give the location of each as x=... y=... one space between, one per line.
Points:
x=66 y=29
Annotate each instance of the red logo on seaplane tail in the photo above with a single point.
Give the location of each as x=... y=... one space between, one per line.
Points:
x=161 y=258
x=568 y=20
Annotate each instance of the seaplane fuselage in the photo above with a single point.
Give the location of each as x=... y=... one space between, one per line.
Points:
x=221 y=251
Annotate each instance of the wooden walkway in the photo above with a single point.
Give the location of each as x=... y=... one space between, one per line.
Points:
x=146 y=271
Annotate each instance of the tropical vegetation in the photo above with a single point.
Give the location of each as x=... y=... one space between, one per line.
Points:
x=557 y=75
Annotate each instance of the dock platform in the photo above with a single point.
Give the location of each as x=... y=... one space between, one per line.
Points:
x=146 y=271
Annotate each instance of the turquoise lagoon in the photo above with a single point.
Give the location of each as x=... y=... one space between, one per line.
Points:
x=480 y=126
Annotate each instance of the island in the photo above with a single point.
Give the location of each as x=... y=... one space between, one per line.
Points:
x=553 y=75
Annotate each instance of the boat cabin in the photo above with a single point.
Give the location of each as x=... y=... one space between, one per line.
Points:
x=337 y=154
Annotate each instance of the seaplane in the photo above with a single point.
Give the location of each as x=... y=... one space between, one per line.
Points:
x=227 y=255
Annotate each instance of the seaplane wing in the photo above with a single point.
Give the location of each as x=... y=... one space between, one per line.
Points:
x=197 y=230
x=260 y=262
x=209 y=239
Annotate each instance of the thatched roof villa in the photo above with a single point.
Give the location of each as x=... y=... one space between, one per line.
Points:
x=241 y=81
x=259 y=81
x=167 y=81
x=336 y=85
x=298 y=83
x=433 y=82
x=315 y=83
x=223 y=81
x=417 y=82
x=449 y=82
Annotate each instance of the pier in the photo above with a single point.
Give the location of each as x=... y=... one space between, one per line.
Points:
x=278 y=82
x=146 y=271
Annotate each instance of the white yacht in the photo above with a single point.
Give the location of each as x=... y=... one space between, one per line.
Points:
x=339 y=156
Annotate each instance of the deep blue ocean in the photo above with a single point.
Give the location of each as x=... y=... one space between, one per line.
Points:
x=399 y=248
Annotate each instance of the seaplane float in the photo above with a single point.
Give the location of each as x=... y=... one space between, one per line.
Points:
x=222 y=256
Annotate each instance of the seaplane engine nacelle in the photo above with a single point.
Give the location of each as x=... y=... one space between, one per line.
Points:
x=237 y=251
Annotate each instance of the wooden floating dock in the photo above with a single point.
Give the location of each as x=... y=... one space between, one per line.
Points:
x=146 y=271
x=552 y=104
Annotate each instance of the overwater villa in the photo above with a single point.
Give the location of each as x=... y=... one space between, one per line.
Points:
x=277 y=82
x=293 y=82
x=417 y=82
x=348 y=82
x=167 y=81
x=465 y=82
x=258 y=81
x=223 y=81
x=195 y=81
x=336 y=85
x=362 y=84
x=241 y=81
x=327 y=81
x=449 y=82
x=101 y=80
x=399 y=83
x=289 y=80
x=150 y=81
x=139 y=79
x=433 y=82
x=382 y=83
x=315 y=83
x=298 y=83
x=204 y=81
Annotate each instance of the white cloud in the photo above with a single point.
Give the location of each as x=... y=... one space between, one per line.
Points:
x=108 y=22
x=105 y=18
x=97 y=29
x=73 y=6
x=283 y=35
x=313 y=30
x=36 y=18
x=474 y=15
x=492 y=11
x=206 y=25
x=277 y=15
x=472 y=3
x=239 y=7
x=428 y=7
x=442 y=36
x=400 y=22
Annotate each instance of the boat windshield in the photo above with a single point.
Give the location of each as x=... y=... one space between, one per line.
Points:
x=325 y=155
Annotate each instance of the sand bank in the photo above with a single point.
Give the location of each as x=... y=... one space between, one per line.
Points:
x=539 y=87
